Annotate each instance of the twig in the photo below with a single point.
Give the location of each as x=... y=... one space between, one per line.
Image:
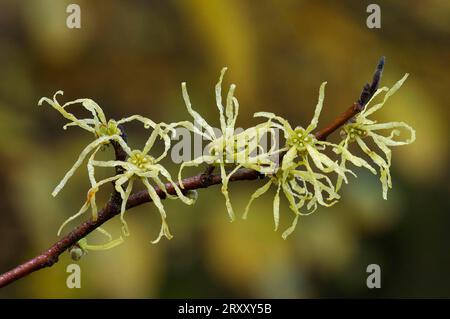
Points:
x=204 y=180
x=367 y=92
x=120 y=155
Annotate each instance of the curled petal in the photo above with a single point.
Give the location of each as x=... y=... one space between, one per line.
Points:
x=147 y=122
x=289 y=231
x=164 y=232
x=123 y=207
x=276 y=207
x=82 y=210
x=110 y=244
x=197 y=117
x=259 y=192
x=92 y=146
x=157 y=201
x=180 y=195
x=390 y=92
x=286 y=127
x=392 y=125
x=54 y=103
x=321 y=159
x=195 y=162
x=318 y=109
x=218 y=90
x=151 y=140
x=224 y=189
x=385 y=176
x=229 y=107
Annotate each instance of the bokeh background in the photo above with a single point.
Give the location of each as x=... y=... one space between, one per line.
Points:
x=130 y=56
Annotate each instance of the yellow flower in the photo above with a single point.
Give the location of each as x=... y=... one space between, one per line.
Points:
x=362 y=128
x=228 y=147
x=296 y=176
x=139 y=166
x=294 y=184
x=103 y=130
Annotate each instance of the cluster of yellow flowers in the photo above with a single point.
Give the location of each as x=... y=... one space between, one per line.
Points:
x=305 y=173
x=139 y=164
x=303 y=183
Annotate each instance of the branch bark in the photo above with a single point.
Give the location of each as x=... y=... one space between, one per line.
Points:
x=204 y=180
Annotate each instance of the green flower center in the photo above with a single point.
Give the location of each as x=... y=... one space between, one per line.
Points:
x=109 y=129
x=141 y=160
x=353 y=131
x=300 y=139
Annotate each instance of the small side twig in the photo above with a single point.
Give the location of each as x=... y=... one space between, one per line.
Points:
x=367 y=92
x=120 y=155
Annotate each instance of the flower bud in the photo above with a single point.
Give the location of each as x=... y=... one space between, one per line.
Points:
x=76 y=253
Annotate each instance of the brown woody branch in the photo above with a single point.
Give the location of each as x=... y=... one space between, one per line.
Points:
x=111 y=209
x=204 y=180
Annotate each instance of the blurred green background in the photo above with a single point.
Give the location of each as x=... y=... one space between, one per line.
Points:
x=130 y=57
